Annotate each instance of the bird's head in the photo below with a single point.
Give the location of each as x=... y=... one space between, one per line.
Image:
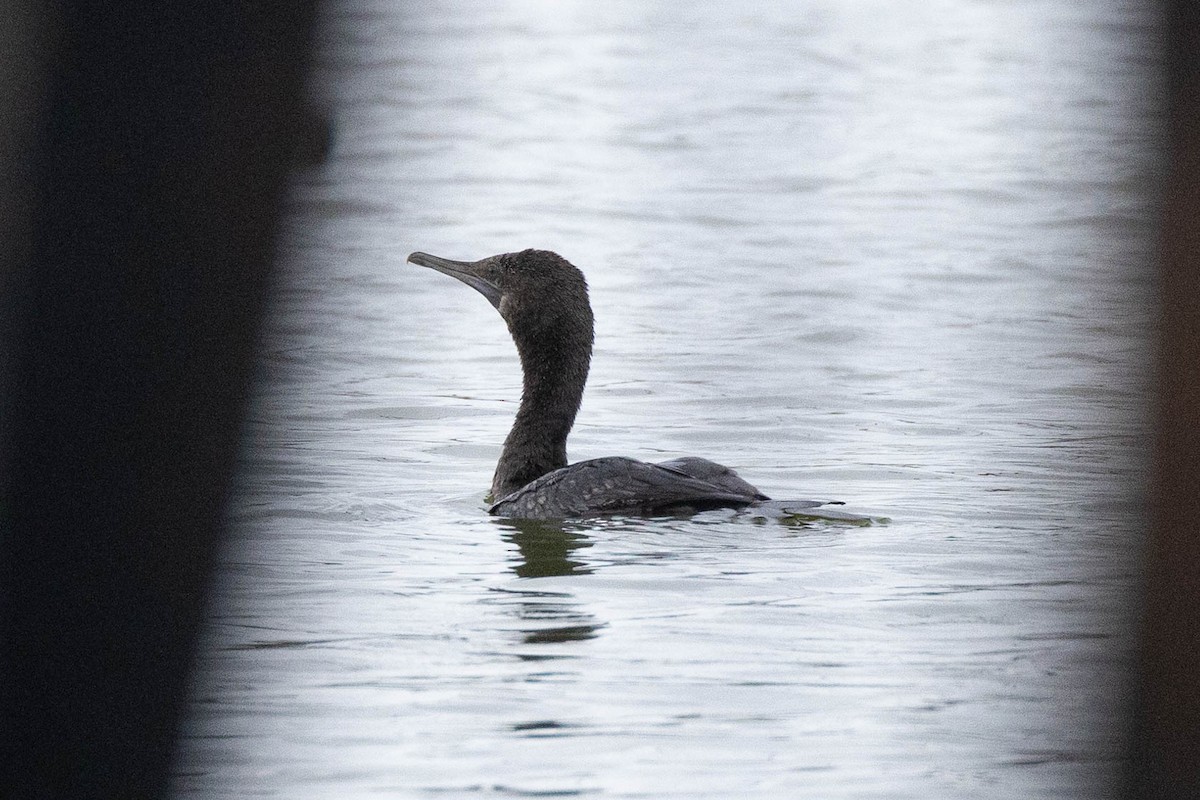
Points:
x=534 y=290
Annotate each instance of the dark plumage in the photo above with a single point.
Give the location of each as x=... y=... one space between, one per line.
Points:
x=544 y=300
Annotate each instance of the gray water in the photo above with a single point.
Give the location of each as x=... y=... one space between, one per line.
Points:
x=893 y=253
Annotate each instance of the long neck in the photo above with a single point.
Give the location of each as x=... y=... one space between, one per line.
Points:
x=555 y=364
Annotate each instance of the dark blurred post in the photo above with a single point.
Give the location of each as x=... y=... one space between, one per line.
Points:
x=137 y=266
x=1166 y=746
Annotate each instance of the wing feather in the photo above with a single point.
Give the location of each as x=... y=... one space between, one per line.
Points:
x=624 y=485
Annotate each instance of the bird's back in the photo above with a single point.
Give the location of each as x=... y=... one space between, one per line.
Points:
x=617 y=485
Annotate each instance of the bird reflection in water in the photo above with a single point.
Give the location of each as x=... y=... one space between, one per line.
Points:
x=545 y=549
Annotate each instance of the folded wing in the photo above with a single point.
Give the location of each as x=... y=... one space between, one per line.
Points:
x=619 y=485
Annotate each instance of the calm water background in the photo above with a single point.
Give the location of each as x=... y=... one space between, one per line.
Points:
x=894 y=253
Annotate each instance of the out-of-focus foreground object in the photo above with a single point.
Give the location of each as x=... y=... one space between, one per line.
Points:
x=146 y=150
x=1165 y=761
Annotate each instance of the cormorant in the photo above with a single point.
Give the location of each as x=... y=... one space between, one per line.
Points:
x=544 y=300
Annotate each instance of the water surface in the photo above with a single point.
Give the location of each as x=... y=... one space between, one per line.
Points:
x=891 y=253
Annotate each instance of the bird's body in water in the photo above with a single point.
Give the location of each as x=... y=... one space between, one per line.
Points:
x=543 y=298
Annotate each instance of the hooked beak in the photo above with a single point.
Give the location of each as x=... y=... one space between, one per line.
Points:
x=465 y=271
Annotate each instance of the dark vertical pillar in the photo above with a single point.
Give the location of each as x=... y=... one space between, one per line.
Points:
x=133 y=308
x=1166 y=745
